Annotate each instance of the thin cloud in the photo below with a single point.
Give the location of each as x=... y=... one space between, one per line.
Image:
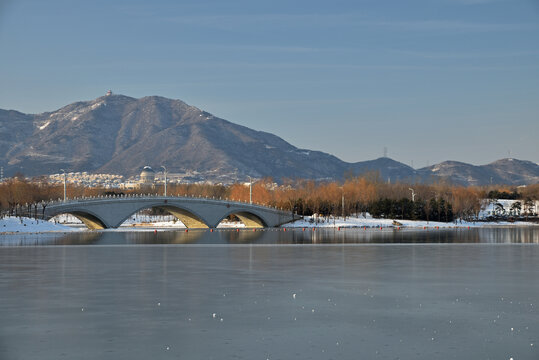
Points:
x=466 y=55
x=449 y=25
x=473 y=2
x=236 y=19
x=232 y=21
x=311 y=66
x=264 y=48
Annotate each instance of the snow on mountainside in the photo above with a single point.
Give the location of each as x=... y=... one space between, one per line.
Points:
x=504 y=171
x=120 y=134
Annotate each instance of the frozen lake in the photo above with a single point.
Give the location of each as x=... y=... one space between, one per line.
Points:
x=354 y=294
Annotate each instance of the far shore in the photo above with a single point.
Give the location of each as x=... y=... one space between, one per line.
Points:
x=16 y=225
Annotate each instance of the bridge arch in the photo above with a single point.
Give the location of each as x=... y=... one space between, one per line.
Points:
x=249 y=218
x=88 y=218
x=188 y=217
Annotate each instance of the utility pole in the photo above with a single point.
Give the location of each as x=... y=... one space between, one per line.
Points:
x=164 y=168
x=65 y=185
x=250 y=190
x=343 y=204
x=413 y=194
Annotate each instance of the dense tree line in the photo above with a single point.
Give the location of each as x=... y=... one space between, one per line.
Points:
x=433 y=209
x=505 y=195
x=436 y=202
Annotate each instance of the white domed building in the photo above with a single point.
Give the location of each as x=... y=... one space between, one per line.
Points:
x=147 y=176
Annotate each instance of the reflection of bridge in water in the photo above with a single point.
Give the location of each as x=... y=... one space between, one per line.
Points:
x=111 y=211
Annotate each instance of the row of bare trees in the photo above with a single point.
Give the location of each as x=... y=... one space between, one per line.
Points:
x=302 y=196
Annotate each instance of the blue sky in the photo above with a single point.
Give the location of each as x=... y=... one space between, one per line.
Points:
x=431 y=80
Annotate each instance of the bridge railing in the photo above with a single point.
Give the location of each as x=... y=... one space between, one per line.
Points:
x=78 y=200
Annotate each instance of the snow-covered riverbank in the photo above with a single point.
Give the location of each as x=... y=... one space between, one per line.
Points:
x=14 y=225
x=21 y=225
x=370 y=222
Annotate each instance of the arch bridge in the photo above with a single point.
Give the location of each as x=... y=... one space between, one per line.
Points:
x=111 y=211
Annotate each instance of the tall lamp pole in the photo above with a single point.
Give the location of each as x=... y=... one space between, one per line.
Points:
x=164 y=168
x=65 y=185
x=343 y=204
x=250 y=190
x=413 y=194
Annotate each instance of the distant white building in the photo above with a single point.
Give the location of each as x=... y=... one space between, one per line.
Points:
x=502 y=207
x=147 y=177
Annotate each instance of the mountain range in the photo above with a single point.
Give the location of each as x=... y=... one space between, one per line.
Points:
x=120 y=134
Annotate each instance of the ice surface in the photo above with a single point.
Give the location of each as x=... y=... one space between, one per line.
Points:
x=377 y=290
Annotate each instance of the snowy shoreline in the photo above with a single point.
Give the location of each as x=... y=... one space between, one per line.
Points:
x=370 y=222
x=16 y=225
x=21 y=225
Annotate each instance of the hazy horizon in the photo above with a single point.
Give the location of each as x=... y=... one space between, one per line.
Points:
x=429 y=80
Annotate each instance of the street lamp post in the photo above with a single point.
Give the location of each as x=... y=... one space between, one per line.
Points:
x=164 y=168
x=250 y=190
x=413 y=194
x=342 y=200
x=65 y=185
